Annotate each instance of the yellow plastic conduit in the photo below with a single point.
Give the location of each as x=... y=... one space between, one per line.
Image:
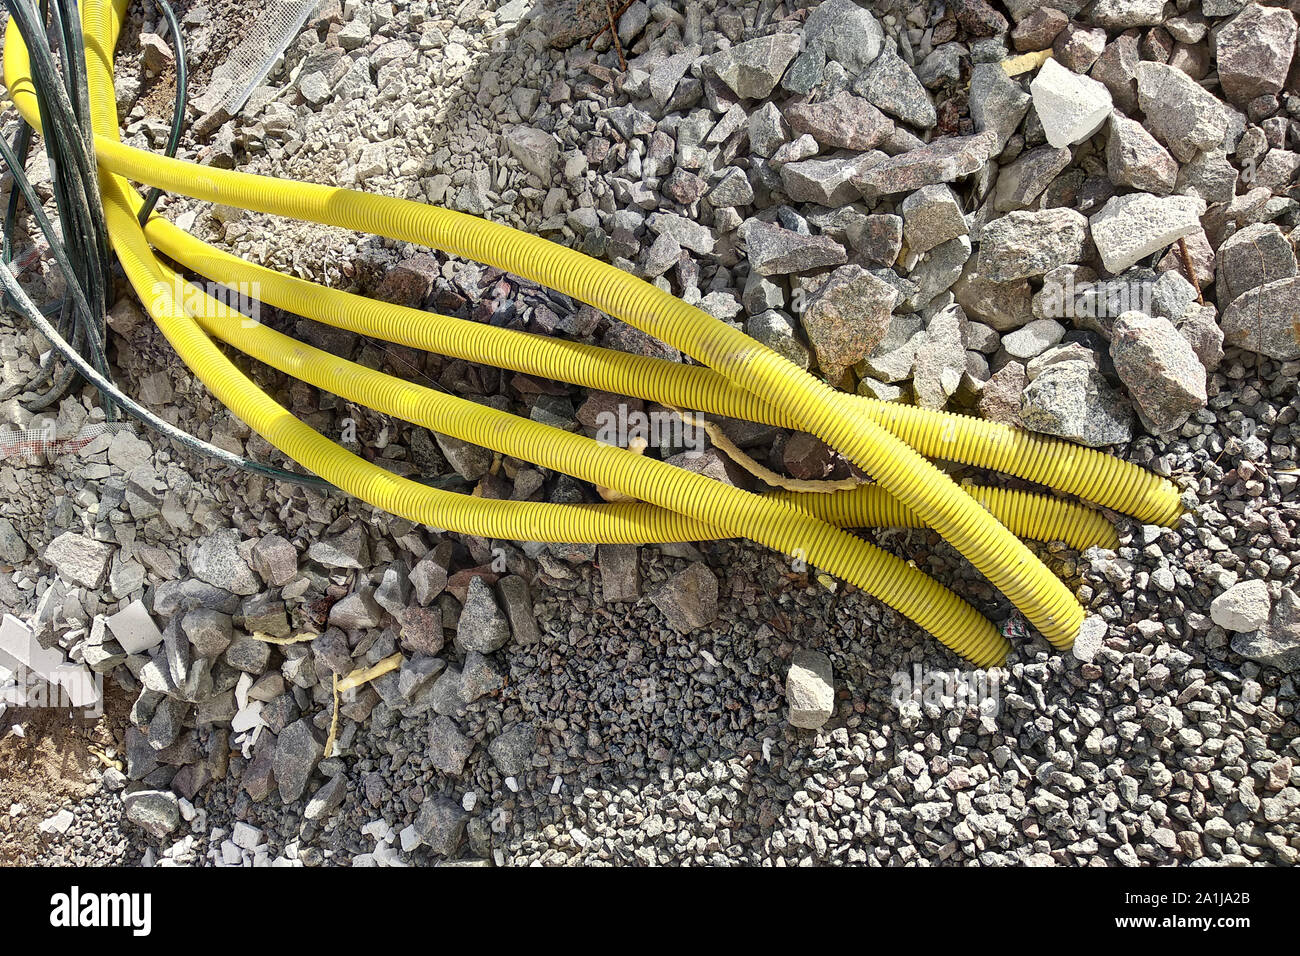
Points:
x=1006 y=561
x=778 y=524
x=1103 y=479
x=829 y=415
x=868 y=506
x=1027 y=515
x=766 y=520
x=114 y=129
x=1073 y=469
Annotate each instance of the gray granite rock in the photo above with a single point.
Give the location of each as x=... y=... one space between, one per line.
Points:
x=1182 y=115
x=689 y=599
x=483 y=626
x=1254 y=51
x=1252 y=257
x=890 y=84
x=810 y=689
x=846 y=33
x=1266 y=320
x=1133 y=226
x=1072 y=400
x=1030 y=243
x=1163 y=376
x=752 y=69
x=931 y=215
x=944 y=160
x=157 y=811
x=298 y=749
x=846 y=318
x=1136 y=159
x=773 y=250
x=844 y=121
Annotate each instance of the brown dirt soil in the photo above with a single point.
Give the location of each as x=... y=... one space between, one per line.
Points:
x=51 y=767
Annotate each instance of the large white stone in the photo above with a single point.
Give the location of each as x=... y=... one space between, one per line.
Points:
x=810 y=689
x=134 y=629
x=1071 y=107
x=1243 y=607
x=1133 y=226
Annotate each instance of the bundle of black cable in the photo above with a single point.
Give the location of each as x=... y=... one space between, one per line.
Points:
x=80 y=248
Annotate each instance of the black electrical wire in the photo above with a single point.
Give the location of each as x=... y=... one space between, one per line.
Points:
x=79 y=326
x=27 y=308
x=22 y=145
x=69 y=146
x=182 y=99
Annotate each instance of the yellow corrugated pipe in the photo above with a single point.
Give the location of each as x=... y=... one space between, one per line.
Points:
x=868 y=506
x=818 y=409
x=1073 y=469
x=1027 y=515
x=767 y=520
x=831 y=416
x=1089 y=474
x=1021 y=509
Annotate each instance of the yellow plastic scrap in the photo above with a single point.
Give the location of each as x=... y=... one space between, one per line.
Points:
x=1016 y=65
x=291 y=639
x=364 y=675
x=334 y=720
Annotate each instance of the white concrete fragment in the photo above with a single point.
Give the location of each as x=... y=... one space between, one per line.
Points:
x=246 y=836
x=242 y=687
x=1133 y=226
x=388 y=855
x=248 y=717
x=1243 y=607
x=380 y=830
x=20 y=651
x=410 y=839
x=134 y=629
x=59 y=823
x=1071 y=107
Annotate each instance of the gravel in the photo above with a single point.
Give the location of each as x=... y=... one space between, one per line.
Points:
x=715 y=703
